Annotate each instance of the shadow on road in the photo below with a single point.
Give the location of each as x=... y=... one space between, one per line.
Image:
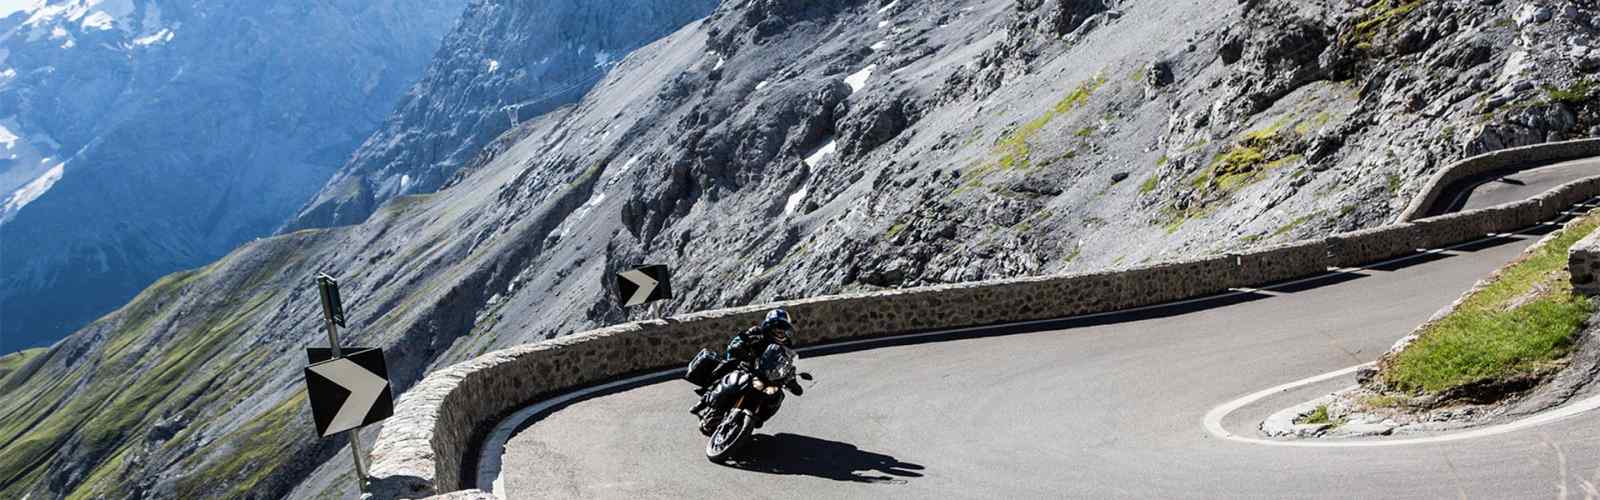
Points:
x=808 y=456
x=1420 y=258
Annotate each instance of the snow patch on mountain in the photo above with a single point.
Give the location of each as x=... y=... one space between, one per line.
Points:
x=98 y=20
x=24 y=158
x=858 y=80
x=8 y=139
x=9 y=7
x=31 y=191
x=89 y=14
x=794 y=200
x=159 y=37
x=822 y=153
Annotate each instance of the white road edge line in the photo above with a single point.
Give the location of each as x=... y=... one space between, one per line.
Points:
x=490 y=455
x=1213 y=420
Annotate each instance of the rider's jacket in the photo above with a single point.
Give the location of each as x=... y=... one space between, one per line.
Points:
x=746 y=345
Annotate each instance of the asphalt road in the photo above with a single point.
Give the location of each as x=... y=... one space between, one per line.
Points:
x=1111 y=409
x=1490 y=191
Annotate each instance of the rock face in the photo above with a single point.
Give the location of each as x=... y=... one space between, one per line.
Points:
x=1583 y=261
x=146 y=136
x=505 y=63
x=782 y=149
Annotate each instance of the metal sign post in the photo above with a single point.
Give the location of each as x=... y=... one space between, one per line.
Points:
x=333 y=317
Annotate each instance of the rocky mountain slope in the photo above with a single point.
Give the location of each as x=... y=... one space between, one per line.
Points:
x=505 y=63
x=141 y=137
x=786 y=149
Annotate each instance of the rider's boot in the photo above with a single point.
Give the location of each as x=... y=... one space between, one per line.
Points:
x=709 y=422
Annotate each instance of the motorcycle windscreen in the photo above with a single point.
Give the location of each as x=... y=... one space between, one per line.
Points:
x=776 y=364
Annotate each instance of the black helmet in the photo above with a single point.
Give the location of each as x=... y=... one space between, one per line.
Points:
x=777 y=324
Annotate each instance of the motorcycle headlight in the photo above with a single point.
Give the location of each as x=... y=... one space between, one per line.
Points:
x=758 y=384
x=770 y=390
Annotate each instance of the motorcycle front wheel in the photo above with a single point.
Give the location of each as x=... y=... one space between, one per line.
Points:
x=732 y=432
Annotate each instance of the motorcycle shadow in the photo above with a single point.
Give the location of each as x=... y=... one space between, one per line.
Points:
x=793 y=454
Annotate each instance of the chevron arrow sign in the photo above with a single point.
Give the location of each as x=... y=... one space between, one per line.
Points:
x=643 y=284
x=349 y=392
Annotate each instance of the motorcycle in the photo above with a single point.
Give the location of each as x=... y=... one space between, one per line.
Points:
x=745 y=398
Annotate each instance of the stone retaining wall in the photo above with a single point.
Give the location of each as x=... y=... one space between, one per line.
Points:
x=1502 y=161
x=420 y=450
x=1583 y=260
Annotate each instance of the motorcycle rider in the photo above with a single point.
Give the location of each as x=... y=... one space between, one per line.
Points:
x=748 y=344
x=744 y=347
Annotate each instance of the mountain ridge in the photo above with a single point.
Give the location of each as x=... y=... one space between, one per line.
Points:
x=464 y=101
x=176 y=130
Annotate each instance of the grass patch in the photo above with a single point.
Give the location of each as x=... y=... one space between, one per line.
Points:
x=1149 y=184
x=1247 y=161
x=129 y=391
x=1014 y=150
x=258 y=453
x=1380 y=16
x=1315 y=123
x=1240 y=159
x=1239 y=167
x=1266 y=135
x=1079 y=96
x=1174 y=219
x=1517 y=324
x=1297 y=222
x=1174 y=223
x=1383 y=401
x=11 y=362
x=895 y=230
x=1578 y=93
x=1067 y=155
x=592 y=172
x=1317 y=416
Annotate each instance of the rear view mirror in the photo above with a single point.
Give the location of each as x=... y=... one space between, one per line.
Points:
x=805 y=376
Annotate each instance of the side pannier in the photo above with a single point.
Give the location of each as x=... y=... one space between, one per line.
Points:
x=702 y=368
